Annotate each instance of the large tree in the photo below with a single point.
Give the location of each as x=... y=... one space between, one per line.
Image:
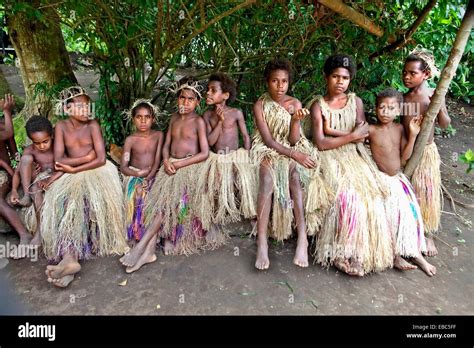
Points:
x=35 y=33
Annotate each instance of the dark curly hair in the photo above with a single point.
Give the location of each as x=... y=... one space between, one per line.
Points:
x=423 y=64
x=227 y=85
x=142 y=105
x=38 y=124
x=340 y=61
x=389 y=93
x=278 y=64
x=189 y=80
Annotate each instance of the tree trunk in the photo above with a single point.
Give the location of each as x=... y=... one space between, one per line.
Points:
x=38 y=41
x=442 y=88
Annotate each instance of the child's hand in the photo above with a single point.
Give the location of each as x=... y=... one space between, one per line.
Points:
x=8 y=103
x=415 y=125
x=300 y=114
x=64 y=168
x=303 y=159
x=220 y=113
x=143 y=172
x=169 y=167
x=361 y=131
x=14 y=197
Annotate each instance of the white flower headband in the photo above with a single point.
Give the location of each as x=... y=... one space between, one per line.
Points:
x=127 y=114
x=194 y=86
x=426 y=56
x=67 y=94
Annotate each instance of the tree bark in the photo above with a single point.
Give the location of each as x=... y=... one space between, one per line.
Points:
x=442 y=88
x=42 y=54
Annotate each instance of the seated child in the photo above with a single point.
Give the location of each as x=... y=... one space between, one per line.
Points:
x=82 y=211
x=390 y=150
x=426 y=179
x=140 y=161
x=231 y=181
x=354 y=236
x=172 y=207
x=7 y=150
x=287 y=161
x=40 y=131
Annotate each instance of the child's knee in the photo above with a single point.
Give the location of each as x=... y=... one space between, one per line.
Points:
x=26 y=159
x=266 y=180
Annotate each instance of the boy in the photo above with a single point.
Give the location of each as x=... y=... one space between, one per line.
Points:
x=418 y=69
x=140 y=161
x=390 y=150
x=232 y=177
x=40 y=131
x=82 y=213
x=7 y=149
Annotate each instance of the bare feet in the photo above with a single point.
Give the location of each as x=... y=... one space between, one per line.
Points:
x=428 y=268
x=36 y=241
x=25 y=201
x=63 y=273
x=301 y=254
x=262 y=261
x=401 y=264
x=22 y=248
x=430 y=247
x=146 y=257
x=132 y=257
x=352 y=268
x=168 y=248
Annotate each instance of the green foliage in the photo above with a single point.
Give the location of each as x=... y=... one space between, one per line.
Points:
x=468 y=158
x=448 y=132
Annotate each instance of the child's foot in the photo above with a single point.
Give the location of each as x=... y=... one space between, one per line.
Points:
x=131 y=258
x=36 y=241
x=301 y=254
x=63 y=273
x=356 y=269
x=147 y=257
x=430 y=247
x=428 y=268
x=25 y=201
x=21 y=249
x=403 y=265
x=168 y=248
x=262 y=256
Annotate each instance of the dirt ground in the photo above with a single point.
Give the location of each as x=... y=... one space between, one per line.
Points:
x=225 y=281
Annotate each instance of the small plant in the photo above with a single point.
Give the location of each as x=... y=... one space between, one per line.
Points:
x=468 y=158
x=448 y=132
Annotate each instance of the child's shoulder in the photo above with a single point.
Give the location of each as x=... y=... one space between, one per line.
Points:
x=235 y=111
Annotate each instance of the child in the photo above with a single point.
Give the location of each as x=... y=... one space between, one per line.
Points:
x=287 y=161
x=82 y=213
x=7 y=149
x=172 y=207
x=354 y=236
x=390 y=150
x=140 y=161
x=419 y=67
x=232 y=177
x=40 y=131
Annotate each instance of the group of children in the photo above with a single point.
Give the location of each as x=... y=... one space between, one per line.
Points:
x=308 y=168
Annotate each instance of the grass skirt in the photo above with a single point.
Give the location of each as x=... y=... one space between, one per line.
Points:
x=426 y=181
x=406 y=223
x=135 y=192
x=83 y=214
x=179 y=199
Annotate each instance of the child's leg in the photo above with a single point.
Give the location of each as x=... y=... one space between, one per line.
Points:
x=428 y=268
x=129 y=260
x=26 y=170
x=63 y=273
x=296 y=193
x=38 y=202
x=264 y=201
x=401 y=264
x=11 y=216
x=148 y=255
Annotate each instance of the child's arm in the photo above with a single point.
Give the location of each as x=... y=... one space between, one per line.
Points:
x=16 y=179
x=332 y=132
x=46 y=183
x=360 y=132
x=262 y=126
x=7 y=167
x=99 y=149
x=203 y=147
x=157 y=162
x=295 y=124
x=169 y=167
x=125 y=160
x=408 y=144
x=443 y=118
x=59 y=150
x=214 y=134
x=7 y=105
x=243 y=129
